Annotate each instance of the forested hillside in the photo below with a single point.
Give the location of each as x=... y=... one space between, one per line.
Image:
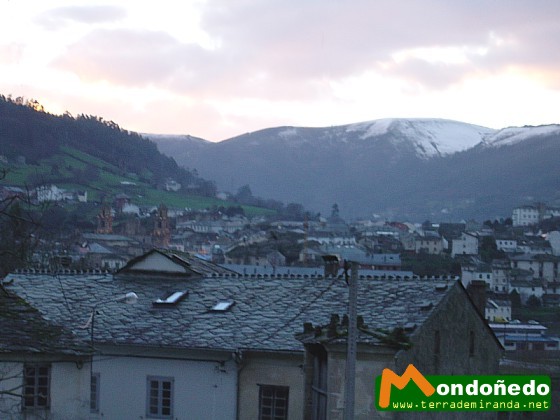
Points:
x=26 y=131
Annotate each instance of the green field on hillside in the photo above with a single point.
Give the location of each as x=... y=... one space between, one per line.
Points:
x=74 y=170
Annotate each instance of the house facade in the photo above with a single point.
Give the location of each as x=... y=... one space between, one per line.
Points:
x=467 y=244
x=428 y=244
x=542 y=266
x=525 y=215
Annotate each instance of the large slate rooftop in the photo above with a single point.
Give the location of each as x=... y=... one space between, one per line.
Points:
x=266 y=314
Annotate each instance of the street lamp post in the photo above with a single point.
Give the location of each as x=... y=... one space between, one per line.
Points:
x=128 y=298
x=350 y=380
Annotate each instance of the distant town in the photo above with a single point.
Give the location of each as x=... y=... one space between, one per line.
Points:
x=271 y=276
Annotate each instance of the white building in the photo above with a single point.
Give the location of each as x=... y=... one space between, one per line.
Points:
x=428 y=244
x=498 y=310
x=51 y=193
x=506 y=244
x=496 y=275
x=525 y=215
x=529 y=215
x=467 y=244
x=553 y=239
x=542 y=266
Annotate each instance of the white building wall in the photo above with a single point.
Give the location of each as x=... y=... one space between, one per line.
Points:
x=70 y=388
x=506 y=245
x=525 y=216
x=50 y=193
x=540 y=269
x=270 y=369
x=69 y=392
x=202 y=389
x=554 y=240
x=467 y=245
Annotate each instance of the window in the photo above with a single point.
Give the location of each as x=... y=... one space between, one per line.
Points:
x=94 y=393
x=171 y=299
x=273 y=402
x=159 y=397
x=223 y=306
x=36 y=386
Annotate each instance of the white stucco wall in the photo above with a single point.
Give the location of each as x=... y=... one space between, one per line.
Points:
x=270 y=369
x=69 y=392
x=202 y=389
x=369 y=365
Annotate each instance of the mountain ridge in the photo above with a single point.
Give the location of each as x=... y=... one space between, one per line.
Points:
x=393 y=167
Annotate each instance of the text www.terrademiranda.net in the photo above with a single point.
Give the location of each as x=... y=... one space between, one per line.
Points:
x=473 y=405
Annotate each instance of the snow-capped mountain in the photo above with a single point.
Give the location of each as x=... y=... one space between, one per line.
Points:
x=513 y=135
x=431 y=137
x=406 y=167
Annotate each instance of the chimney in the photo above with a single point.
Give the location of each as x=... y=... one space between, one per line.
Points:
x=332 y=265
x=477 y=291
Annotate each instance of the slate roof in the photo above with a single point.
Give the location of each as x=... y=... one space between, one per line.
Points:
x=253 y=270
x=24 y=330
x=266 y=315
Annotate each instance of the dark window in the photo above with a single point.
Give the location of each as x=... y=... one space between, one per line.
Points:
x=273 y=402
x=36 y=386
x=94 y=393
x=160 y=397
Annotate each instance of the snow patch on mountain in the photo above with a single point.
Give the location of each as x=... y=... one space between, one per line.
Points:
x=430 y=137
x=371 y=128
x=288 y=132
x=513 y=135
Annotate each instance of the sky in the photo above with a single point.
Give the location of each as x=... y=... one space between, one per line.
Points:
x=216 y=69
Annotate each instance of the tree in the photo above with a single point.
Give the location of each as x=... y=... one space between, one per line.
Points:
x=244 y=195
x=294 y=211
x=489 y=250
x=533 y=302
x=18 y=228
x=335 y=212
x=515 y=299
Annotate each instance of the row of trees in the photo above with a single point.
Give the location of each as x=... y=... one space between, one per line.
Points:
x=290 y=211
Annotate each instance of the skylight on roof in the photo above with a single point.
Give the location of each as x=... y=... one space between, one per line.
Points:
x=223 y=305
x=172 y=299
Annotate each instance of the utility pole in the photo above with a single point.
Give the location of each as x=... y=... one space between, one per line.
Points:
x=350 y=384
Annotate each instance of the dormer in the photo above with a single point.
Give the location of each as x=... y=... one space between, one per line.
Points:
x=159 y=263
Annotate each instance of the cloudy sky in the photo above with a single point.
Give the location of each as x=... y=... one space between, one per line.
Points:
x=219 y=68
